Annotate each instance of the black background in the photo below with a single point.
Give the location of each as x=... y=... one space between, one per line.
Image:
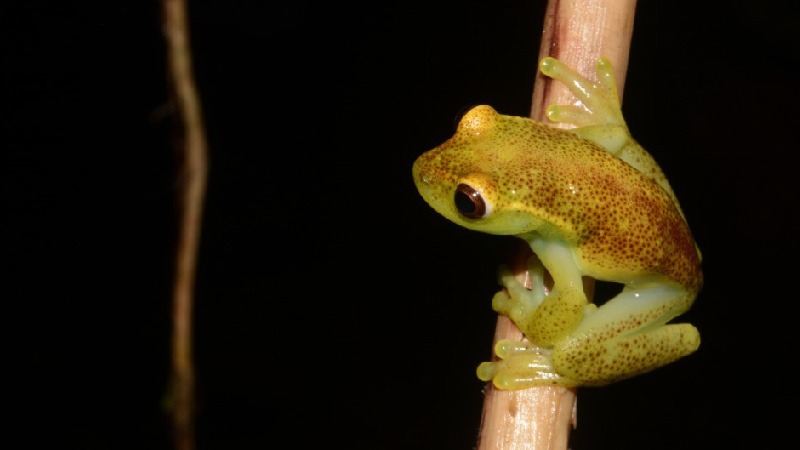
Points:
x=330 y=296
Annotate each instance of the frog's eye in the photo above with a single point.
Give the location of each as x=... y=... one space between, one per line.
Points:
x=470 y=203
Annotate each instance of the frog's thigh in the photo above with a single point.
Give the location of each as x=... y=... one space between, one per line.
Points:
x=627 y=336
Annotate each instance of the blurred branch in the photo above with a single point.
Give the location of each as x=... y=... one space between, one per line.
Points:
x=191 y=146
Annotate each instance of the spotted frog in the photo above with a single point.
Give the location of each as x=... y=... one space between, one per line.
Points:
x=590 y=202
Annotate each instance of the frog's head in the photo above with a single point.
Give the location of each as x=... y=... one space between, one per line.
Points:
x=473 y=179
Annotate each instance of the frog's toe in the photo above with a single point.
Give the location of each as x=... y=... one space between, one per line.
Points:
x=516 y=303
x=552 y=67
x=508 y=349
x=515 y=300
x=521 y=365
x=502 y=303
x=503 y=379
x=569 y=114
x=486 y=371
x=604 y=70
x=509 y=280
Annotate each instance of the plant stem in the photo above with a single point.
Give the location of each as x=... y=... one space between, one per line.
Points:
x=577 y=32
x=192 y=150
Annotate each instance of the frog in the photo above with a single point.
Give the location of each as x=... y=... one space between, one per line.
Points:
x=591 y=203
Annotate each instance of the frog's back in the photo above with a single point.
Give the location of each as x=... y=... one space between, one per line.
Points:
x=552 y=182
x=624 y=223
x=639 y=231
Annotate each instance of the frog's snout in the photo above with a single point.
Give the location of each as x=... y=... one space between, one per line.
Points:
x=421 y=170
x=425 y=178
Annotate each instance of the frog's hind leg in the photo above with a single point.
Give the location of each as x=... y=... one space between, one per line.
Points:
x=520 y=365
x=628 y=335
x=601 y=101
x=600 y=118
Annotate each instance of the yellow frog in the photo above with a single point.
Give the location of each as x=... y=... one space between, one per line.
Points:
x=590 y=202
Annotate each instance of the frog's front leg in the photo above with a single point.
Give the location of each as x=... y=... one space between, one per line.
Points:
x=516 y=301
x=519 y=364
x=627 y=336
x=543 y=318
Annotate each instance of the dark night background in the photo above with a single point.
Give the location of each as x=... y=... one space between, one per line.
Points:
x=330 y=296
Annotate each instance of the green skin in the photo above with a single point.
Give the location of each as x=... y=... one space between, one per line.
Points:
x=589 y=201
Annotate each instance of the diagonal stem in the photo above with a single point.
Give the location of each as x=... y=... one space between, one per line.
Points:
x=577 y=32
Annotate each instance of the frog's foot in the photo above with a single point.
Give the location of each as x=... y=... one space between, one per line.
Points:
x=600 y=118
x=600 y=99
x=515 y=301
x=521 y=365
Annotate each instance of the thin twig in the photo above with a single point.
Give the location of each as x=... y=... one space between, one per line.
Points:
x=192 y=150
x=577 y=32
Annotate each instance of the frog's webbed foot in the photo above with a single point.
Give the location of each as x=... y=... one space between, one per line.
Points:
x=600 y=99
x=600 y=118
x=516 y=301
x=520 y=365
